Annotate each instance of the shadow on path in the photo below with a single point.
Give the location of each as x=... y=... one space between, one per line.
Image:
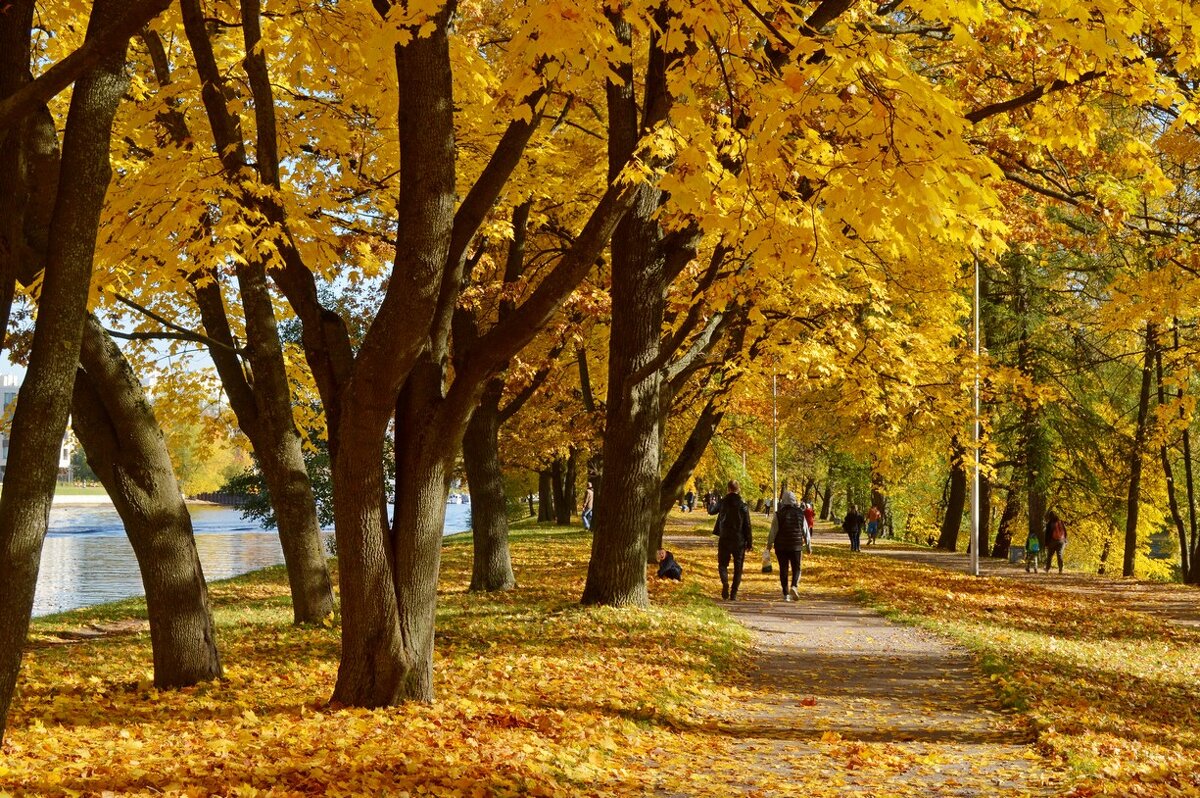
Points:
x=840 y=701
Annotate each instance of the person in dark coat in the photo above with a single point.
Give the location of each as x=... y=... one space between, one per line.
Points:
x=734 y=538
x=852 y=525
x=790 y=537
x=1056 y=539
x=668 y=568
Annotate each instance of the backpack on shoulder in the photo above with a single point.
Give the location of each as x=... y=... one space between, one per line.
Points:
x=1059 y=533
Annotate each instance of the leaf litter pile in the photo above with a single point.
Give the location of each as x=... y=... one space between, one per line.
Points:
x=538 y=696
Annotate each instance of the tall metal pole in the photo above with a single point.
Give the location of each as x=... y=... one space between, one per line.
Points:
x=774 y=444
x=975 y=438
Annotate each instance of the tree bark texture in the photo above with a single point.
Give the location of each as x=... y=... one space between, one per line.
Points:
x=955 y=502
x=40 y=418
x=627 y=502
x=125 y=448
x=1164 y=454
x=264 y=414
x=491 y=563
x=1136 y=459
x=827 y=500
x=388 y=583
x=545 y=496
x=1008 y=519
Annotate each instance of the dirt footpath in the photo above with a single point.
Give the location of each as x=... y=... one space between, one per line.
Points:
x=840 y=701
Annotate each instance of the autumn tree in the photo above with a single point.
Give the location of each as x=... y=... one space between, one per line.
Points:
x=40 y=419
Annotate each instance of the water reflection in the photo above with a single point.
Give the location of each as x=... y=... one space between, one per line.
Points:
x=88 y=560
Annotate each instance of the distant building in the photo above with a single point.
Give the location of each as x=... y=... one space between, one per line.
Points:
x=9 y=385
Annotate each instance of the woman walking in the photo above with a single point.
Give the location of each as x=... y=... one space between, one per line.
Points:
x=789 y=532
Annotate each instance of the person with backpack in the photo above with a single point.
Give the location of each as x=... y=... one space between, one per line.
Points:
x=1056 y=539
x=789 y=537
x=734 y=538
x=1033 y=548
x=852 y=525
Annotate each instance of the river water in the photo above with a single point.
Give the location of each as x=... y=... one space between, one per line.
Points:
x=87 y=559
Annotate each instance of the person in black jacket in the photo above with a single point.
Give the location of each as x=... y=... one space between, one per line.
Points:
x=852 y=525
x=734 y=538
x=790 y=536
x=668 y=568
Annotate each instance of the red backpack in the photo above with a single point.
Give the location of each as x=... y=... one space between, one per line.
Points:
x=1059 y=533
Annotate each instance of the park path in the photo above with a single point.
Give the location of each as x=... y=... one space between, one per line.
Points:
x=840 y=701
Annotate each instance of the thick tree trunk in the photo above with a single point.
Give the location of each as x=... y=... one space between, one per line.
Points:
x=491 y=567
x=545 y=496
x=562 y=472
x=827 y=501
x=1135 y=459
x=124 y=445
x=43 y=403
x=1164 y=454
x=985 y=515
x=1008 y=517
x=264 y=414
x=955 y=502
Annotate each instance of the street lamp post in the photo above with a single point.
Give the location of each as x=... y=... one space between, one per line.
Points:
x=774 y=444
x=975 y=437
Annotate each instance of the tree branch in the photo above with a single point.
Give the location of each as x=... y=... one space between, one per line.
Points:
x=34 y=95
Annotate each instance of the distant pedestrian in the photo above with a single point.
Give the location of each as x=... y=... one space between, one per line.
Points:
x=789 y=537
x=1056 y=539
x=586 y=513
x=690 y=498
x=852 y=525
x=810 y=515
x=873 y=516
x=734 y=538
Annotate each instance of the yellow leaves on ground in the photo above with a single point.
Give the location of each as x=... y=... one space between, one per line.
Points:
x=1109 y=684
x=536 y=696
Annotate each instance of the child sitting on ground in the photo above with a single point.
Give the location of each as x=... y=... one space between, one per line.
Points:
x=667 y=567
x=1033 y=548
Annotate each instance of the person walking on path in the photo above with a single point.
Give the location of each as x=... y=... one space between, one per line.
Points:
x=852 y=525
x=734 y=538
x=586 y=512
x=810 y=515
x=789 y=537
x=1033 y=547
x=1056 y=539
x=873 y=516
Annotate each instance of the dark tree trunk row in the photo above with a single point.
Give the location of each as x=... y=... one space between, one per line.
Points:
x=1008 y=519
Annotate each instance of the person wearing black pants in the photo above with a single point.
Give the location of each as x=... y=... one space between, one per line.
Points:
x=789 y=533
x=734 y=538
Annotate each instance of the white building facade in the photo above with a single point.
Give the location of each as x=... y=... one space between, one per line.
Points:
x=10 y=385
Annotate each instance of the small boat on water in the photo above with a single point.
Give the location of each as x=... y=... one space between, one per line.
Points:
x=454 y=498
